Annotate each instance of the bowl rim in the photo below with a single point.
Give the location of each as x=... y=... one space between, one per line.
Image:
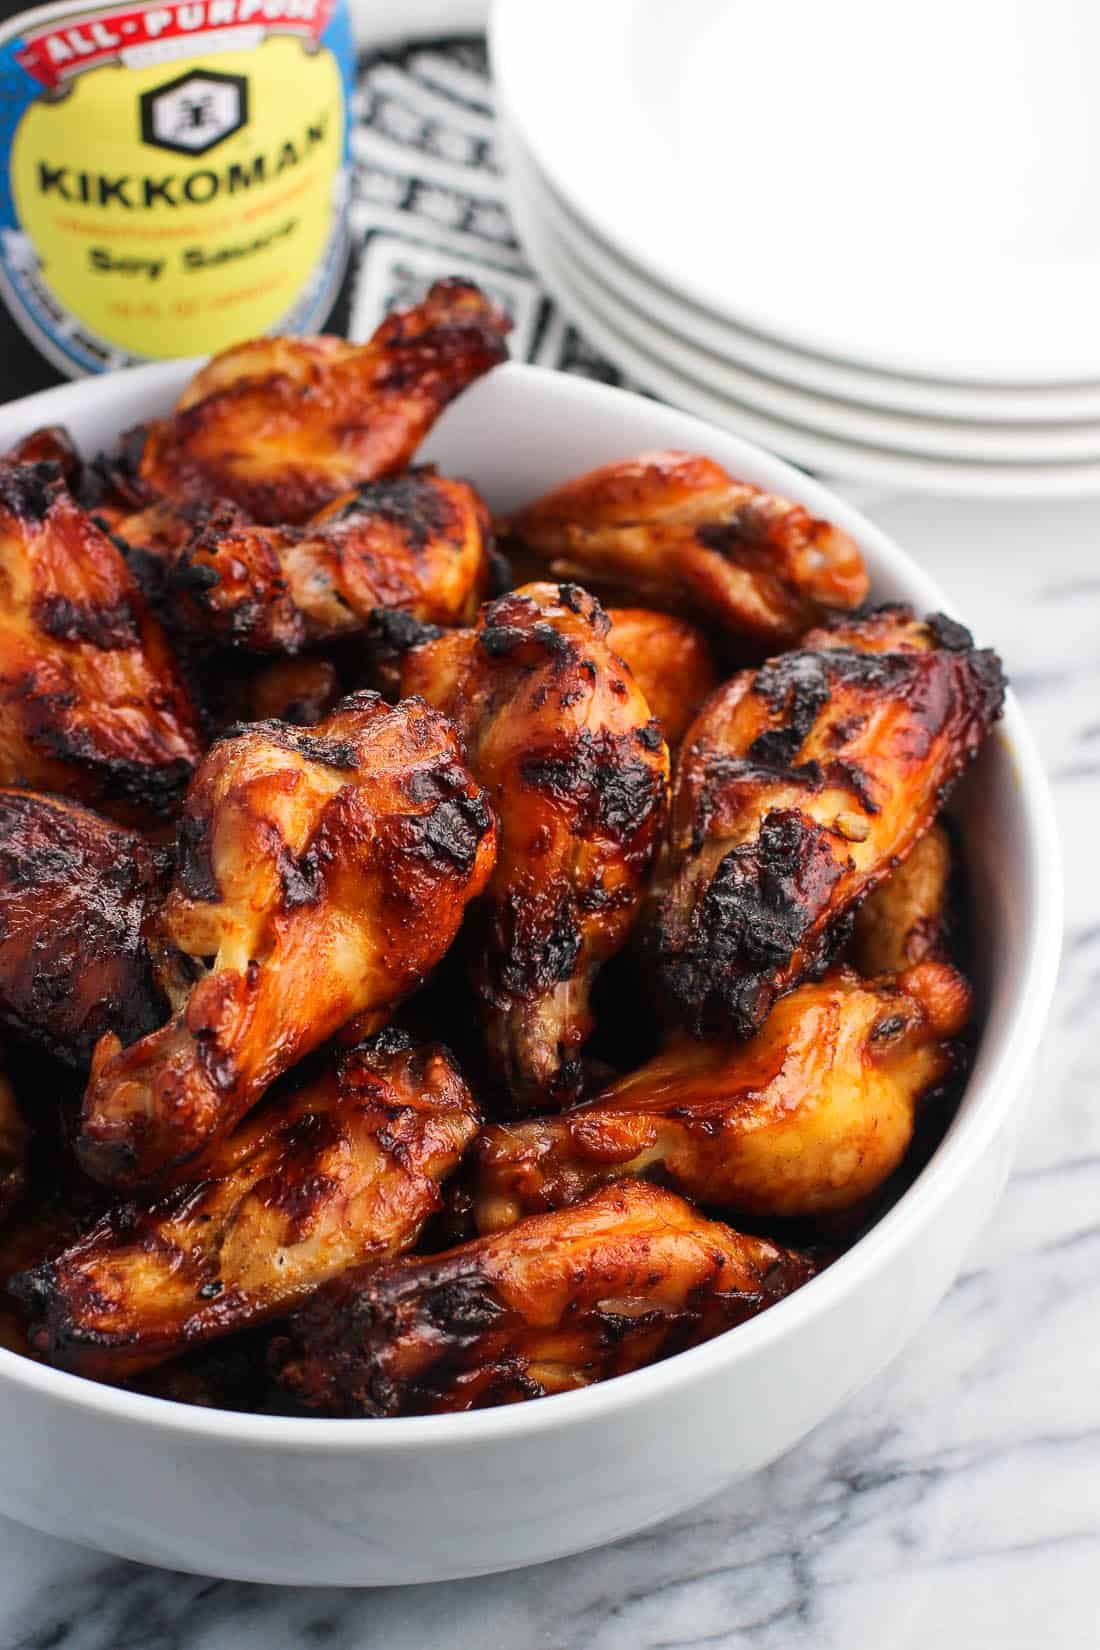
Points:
x=967 y=1138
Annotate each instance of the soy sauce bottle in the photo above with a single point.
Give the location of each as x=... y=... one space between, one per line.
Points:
x=173 y=179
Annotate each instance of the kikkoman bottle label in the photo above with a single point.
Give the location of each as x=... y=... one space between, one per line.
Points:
x=173 y=177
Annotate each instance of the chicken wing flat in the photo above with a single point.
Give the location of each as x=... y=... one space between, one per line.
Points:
x=91 y=701
x=627 y=1277
x=800 y=787
x=14 y=1139
x=908 y=918
x=76 y=894
x=576 y=769
x=678 y=532
x=282 y=426
x=418 y=542
x=671 y=662
x=810 y=1115
x=342 y=1172
x=321 y=873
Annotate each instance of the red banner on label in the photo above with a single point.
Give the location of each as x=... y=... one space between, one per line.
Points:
x=53 y=54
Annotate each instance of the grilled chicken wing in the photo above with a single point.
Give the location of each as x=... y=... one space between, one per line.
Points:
x=671 y=662
x=418 y=542
x=810 y=1115
x=343 y=1171
x=627 y=1277
x=576 y=770
x=91 y=700
x=14 y=1139
x=76 y=894
x=283 y=425
x=800 y=786
x=677 y=531
x=321 y=874
x=908 y=917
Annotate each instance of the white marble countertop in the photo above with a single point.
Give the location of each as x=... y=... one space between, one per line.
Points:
x=956 y=1501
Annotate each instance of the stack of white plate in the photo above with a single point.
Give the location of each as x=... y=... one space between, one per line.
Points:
x=864 y=235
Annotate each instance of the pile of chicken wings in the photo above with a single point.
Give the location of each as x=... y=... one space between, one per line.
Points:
x=445 y=962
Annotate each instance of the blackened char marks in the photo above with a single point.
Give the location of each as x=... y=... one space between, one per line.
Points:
x=140 y=783
x=796 y=687
x=949 y=634
x=760 y=907
x=301 y=877
x=194 y=862
x=514 y=622
x=533 y=948
x=331 y=753
x=461 y=1305
x=408 y=502
x=107 y=628
x=455 y=822
x=392 y=632
x=602 y=780
x=30 y=491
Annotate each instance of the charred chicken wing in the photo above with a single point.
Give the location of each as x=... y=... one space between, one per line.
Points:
x=907 y=919
x=281 y=426
x=576 y=770
x=800 y=786
x=417 y=542
x=321 y=873
x=76 y=897
x=627 y=1277
x=810 y=1115
x=343 y=1171
x=676 y=530
x=671 y=662
x=91 y=700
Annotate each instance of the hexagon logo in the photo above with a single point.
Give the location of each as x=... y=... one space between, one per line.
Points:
x=194 y=112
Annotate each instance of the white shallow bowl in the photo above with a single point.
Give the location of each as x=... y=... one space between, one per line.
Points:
x=687 y=377
x=370 y=1502
x=806 y=388
x=1049 y=406
x=910 y=191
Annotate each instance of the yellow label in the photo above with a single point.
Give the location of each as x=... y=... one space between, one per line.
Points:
x=183 y=207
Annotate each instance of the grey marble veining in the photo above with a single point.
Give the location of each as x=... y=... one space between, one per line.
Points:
x=953 y=1503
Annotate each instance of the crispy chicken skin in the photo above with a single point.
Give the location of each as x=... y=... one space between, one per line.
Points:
x=341 y=1172
x=676 y=530
x=576 y=769
x=281 y=426
x=91 y=701
x=321 y=873
x=154 y=536
x=671 y=662
x=809 y=1116
x=908 y=917
x=52 y=444
x=76 y=894
x=627 y=1277
x=418 y=542
x=800 y=787
x=14 y=1140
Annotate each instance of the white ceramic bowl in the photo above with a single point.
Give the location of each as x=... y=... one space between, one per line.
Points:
x=268 y=1499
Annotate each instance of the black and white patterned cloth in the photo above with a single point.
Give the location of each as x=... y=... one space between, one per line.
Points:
x=429 y=198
